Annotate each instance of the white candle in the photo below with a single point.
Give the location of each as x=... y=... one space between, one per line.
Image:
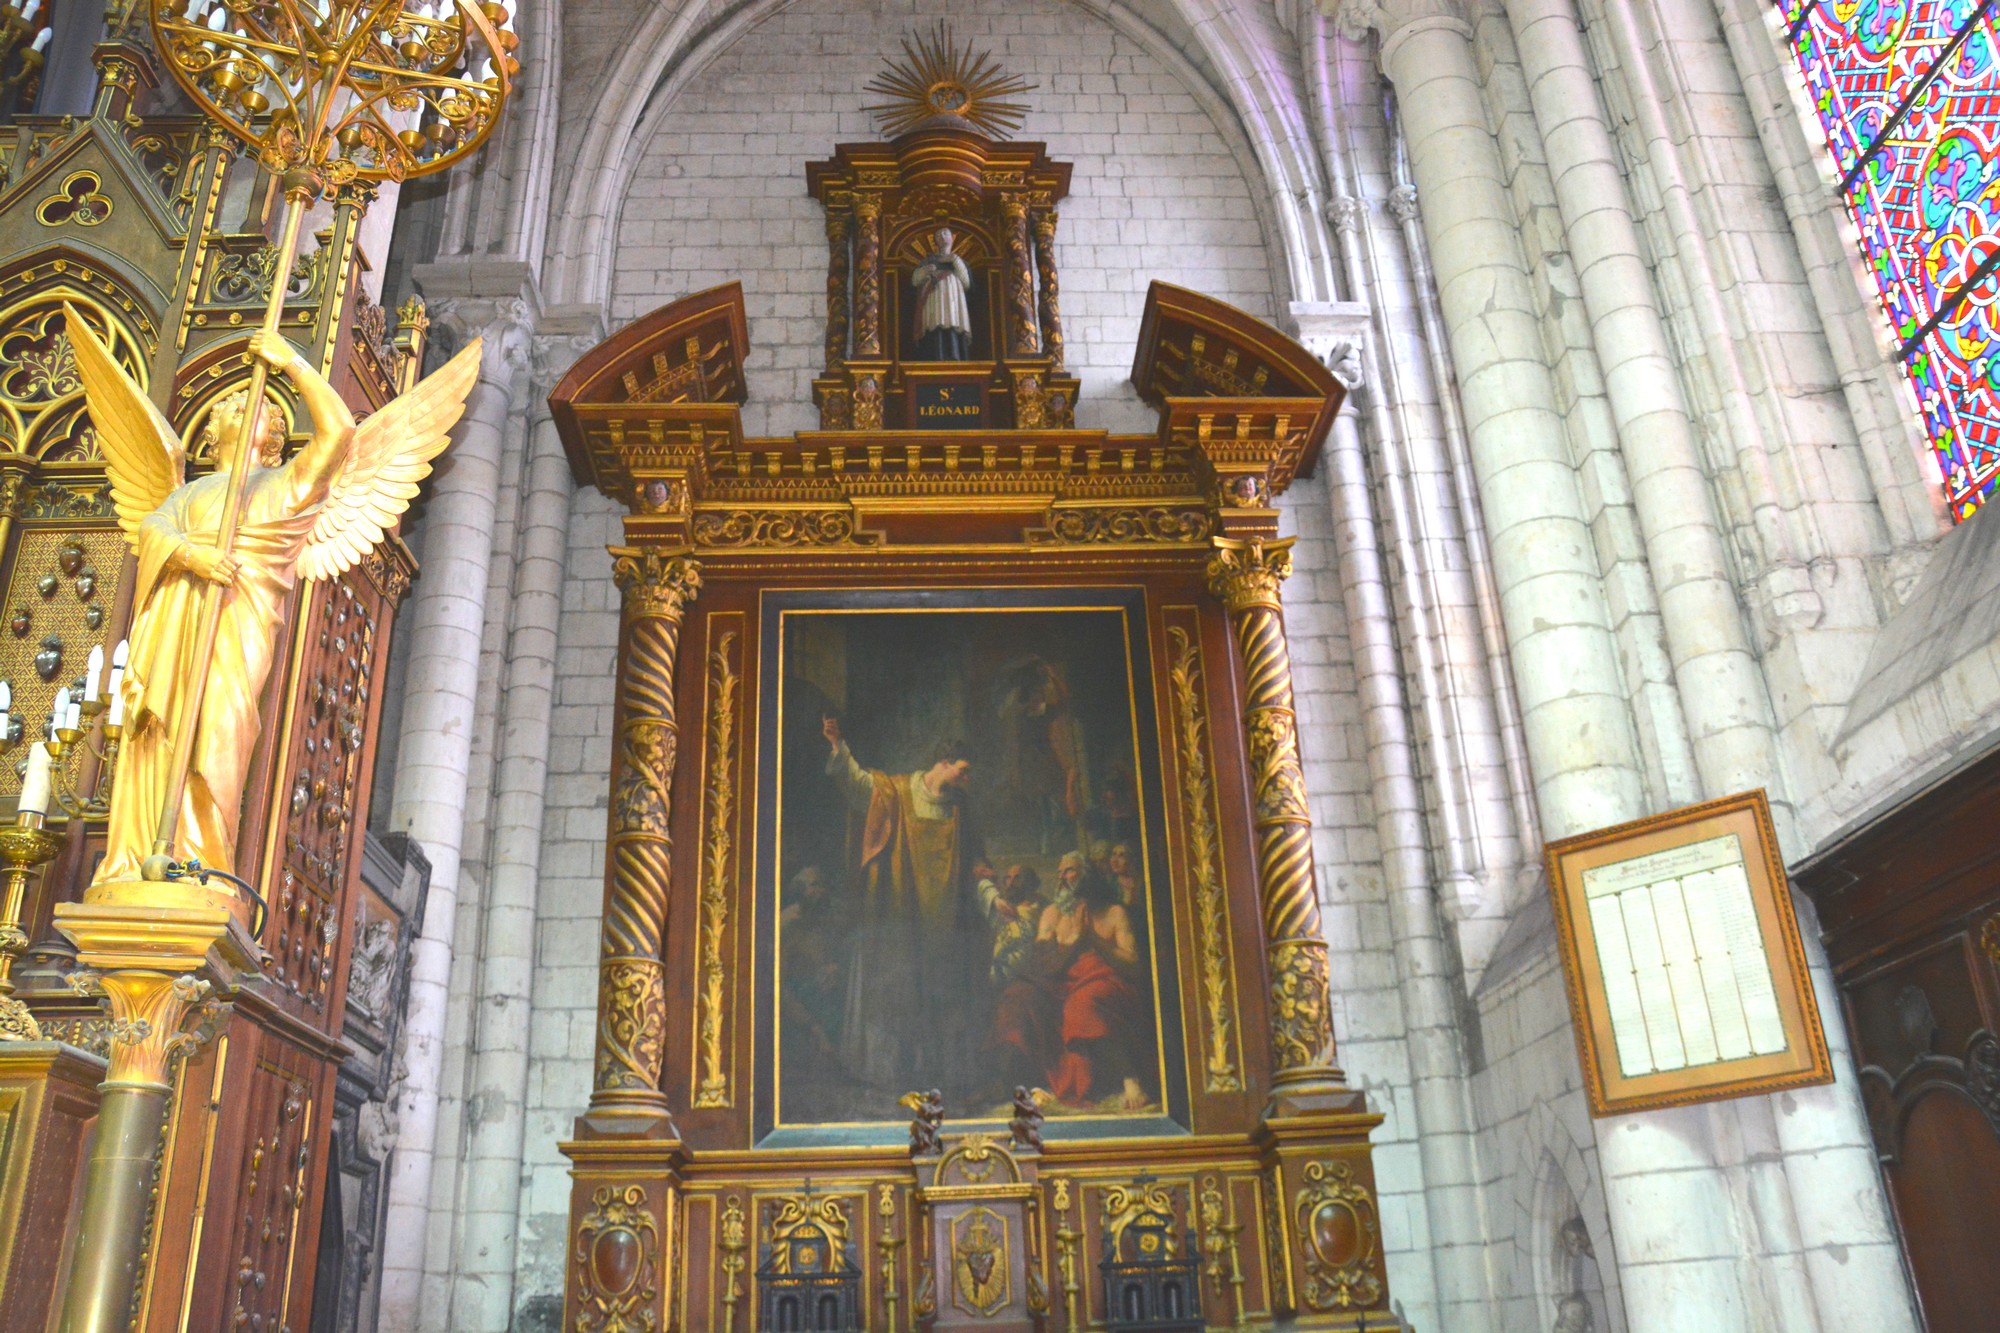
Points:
x=41 y=42
x=36 y=784
x=59 y=715
x=6 y=707
x=74 y=718
x=34 y=8
x=118 y=683
x=93 y=674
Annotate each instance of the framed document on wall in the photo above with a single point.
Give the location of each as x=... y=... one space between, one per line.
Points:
x=1686 y=974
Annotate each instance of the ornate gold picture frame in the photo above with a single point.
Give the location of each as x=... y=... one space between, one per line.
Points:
x=1686 y=974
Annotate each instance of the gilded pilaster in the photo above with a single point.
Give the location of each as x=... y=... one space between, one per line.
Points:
x=143 y=959
x=1245 y=576
x=838 y=228
x=867 y=276
x=631 y=998
x=1022 y=339
x=1051 y=292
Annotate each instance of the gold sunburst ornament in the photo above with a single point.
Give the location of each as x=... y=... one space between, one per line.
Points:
x=938 y=80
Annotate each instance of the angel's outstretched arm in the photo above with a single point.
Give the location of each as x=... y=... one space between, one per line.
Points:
x=333 y=424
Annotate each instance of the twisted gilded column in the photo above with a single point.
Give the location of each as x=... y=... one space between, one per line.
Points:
x=631 y=981
x=1020 y=277
x=1245 y=576
x=867 y=277
x=837 y=229
x=1051 y=294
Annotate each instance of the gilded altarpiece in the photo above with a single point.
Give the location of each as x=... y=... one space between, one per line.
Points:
x=994 y=721
x=156 y=231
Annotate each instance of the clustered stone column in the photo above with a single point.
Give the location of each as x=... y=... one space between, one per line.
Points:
x=631 y=996
x=1022 y=339
x=1245 y=575
x=868 y=277
x=1045 y=267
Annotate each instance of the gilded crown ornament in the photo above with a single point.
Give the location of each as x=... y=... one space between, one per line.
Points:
x=938 y=80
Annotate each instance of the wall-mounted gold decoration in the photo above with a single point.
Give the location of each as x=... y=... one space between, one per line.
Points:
x=1338 y=1236
x=937 y=78
x=1204 y=854
x=1989 y=938
x=77 y=200
x=1117 y=525
x=718 y=847
x=780 y=527
x=981 y=1267
x=614 y=1262
x=1221 y=1237
x=41 y=393
x=734 y=1243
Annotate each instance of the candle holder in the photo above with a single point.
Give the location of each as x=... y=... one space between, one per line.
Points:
x=68 y=749
x=24 y=845
x=21 y=43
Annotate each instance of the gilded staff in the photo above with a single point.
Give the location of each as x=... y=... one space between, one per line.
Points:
x=326 y=93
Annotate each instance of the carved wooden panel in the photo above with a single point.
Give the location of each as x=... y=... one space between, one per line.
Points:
x=58 y=605
x=319 y=792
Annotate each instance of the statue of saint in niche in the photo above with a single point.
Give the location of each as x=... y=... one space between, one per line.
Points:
x=944 y=316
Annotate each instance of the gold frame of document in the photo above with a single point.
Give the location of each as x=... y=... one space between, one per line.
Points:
x=1686 y=975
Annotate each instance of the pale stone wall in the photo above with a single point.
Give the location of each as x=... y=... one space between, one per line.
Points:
x=720 y=193
x=1623 y=443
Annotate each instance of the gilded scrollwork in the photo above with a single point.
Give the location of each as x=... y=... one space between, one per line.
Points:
x=1274 y=766
x=631 y=1024
x=1301 y=1013
x=615 y=1263
x=718 y=836
x=1088 y=525
x=1204 y=844
x=780 y=527
x=1338 y=1239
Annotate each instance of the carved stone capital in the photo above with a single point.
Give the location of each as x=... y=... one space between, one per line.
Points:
x=1344 y=212
x=492 y=299
x=563 y=334
x=655 y=583
x=1391 y=18
x=1243 y=574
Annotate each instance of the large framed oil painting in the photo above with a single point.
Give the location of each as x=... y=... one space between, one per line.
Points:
x=963 y=870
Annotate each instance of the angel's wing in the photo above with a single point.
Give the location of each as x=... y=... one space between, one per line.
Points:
x=143 y=455
x=390 y=454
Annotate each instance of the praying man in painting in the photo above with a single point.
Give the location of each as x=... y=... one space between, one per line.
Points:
x=944 y=316
x=915 y=881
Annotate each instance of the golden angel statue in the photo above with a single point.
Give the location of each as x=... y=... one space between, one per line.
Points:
x=313 y=517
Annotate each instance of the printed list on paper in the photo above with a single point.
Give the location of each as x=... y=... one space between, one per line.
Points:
x=1685 y=976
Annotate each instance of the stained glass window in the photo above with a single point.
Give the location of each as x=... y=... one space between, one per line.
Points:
x=1908 y=94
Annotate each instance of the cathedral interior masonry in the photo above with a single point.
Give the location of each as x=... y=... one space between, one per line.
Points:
x=764 y=666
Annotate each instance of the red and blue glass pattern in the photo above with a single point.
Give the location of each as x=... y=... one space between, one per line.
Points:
x=1908 y=94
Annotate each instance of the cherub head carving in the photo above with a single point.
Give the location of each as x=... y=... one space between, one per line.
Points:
x=225 y=425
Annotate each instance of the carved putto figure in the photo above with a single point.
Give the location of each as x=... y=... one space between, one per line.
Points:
x=315 y=517
x=944 y=315
x=927 y=1122
x=1026 y=1126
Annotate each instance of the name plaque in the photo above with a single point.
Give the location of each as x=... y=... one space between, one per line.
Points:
x=1687 y=977
x=950 y=406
